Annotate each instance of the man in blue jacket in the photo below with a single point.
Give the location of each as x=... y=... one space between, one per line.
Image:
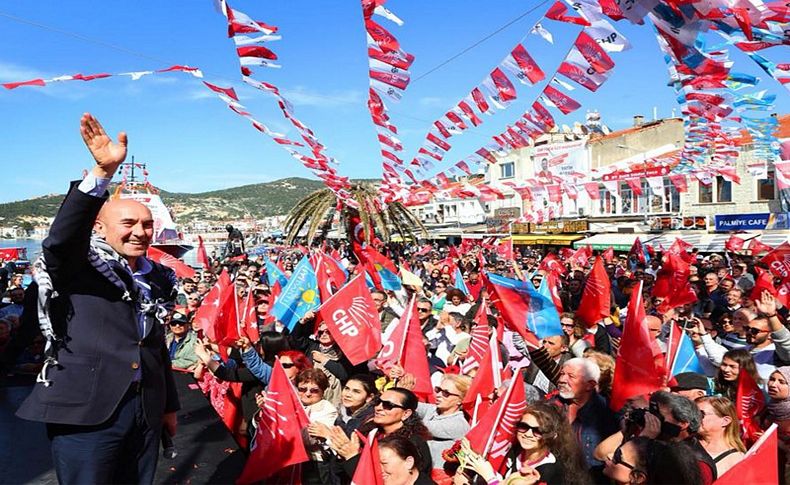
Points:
x=107 y=390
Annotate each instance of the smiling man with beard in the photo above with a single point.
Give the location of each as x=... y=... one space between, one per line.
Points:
x=587 y=412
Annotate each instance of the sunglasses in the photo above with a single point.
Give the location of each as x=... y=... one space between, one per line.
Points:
x=386 y=405
x=177 y=324
x=423 y=310
x=755 y=330
x=522 y=427
x=287 y=365
x=444 y=392
x=308 y=390
x=322 y=332
x=617 y=459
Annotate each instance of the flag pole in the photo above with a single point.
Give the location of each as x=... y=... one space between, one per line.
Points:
x=410 y=311
x=505 y=398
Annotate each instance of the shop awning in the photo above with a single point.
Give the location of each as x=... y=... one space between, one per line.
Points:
x=665 y=240
x=775 y=238
x=617 y=241
x=703 y=241
x=546 y=239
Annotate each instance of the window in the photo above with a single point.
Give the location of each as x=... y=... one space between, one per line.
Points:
x=723 y=190
x=507 y=170
x=766 y=188
x=626 y=196
x=606 y=202
x=705 y=193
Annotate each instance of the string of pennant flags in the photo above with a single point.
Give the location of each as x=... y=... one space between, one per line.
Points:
x=717 y=104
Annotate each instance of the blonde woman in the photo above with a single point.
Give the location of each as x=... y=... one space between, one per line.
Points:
x=720 y=433
x=445 y=419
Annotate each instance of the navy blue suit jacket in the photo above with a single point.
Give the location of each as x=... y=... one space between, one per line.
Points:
x=103 y=348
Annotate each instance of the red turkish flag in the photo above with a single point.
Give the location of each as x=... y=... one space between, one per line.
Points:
x=202 y=257
x=552 y=264
x=278 y=439
x=749 y=403
x=756 y=247
x=368 y=471
x=608 y=254
x=734 y=243
x=249 y=318
x=680 y=182
x=553 y=281
x=504 y=249
x=206 y=314
x=352 y=319
x=182 y=269
x=226 y=324
x=493 y=435
x=582 y=255
x=596 y=301
x=639 y=368
x=759 y=464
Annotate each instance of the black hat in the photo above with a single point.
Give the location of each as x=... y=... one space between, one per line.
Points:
x=687 y=381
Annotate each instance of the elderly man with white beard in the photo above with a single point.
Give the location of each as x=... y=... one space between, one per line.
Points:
x=587 y=411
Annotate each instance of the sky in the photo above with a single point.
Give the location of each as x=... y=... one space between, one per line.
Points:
x=193 y=143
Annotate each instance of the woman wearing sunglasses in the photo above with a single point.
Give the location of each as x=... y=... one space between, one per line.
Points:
x=644 y=460
x=445 y=420
x=310 y=386
x=320 y=347
x=720 y=432
x=395 y=414
x=544 y=450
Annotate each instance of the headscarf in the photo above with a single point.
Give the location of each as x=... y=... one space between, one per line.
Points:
x=779 y=410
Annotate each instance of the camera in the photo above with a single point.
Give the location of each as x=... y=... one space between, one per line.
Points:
x=637 y=417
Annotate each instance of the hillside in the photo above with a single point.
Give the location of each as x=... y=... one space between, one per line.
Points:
x=258 y=200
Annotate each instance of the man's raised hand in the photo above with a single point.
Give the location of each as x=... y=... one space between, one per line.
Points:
x=108 y=155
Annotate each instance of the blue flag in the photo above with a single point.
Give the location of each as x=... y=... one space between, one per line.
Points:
x=389 y=280
x=520 y=301
x=459 y=282
x=299 y=296
x=273 y=274
x=685 y=358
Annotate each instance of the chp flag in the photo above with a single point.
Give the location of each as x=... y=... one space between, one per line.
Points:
x=352 y=319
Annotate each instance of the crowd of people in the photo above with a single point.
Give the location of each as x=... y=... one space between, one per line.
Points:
x=688 y=432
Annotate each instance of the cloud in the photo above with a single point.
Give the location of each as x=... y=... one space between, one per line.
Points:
x=302 y=96
x=13 y=72
x=432 y=101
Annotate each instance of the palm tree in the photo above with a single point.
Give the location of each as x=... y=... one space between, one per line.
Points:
x=318 y=209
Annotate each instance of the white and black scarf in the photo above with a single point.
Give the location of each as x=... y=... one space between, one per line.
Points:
x=104 y=259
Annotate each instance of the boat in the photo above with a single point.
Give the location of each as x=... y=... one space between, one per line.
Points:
x=167 y=238
x=16 y=255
